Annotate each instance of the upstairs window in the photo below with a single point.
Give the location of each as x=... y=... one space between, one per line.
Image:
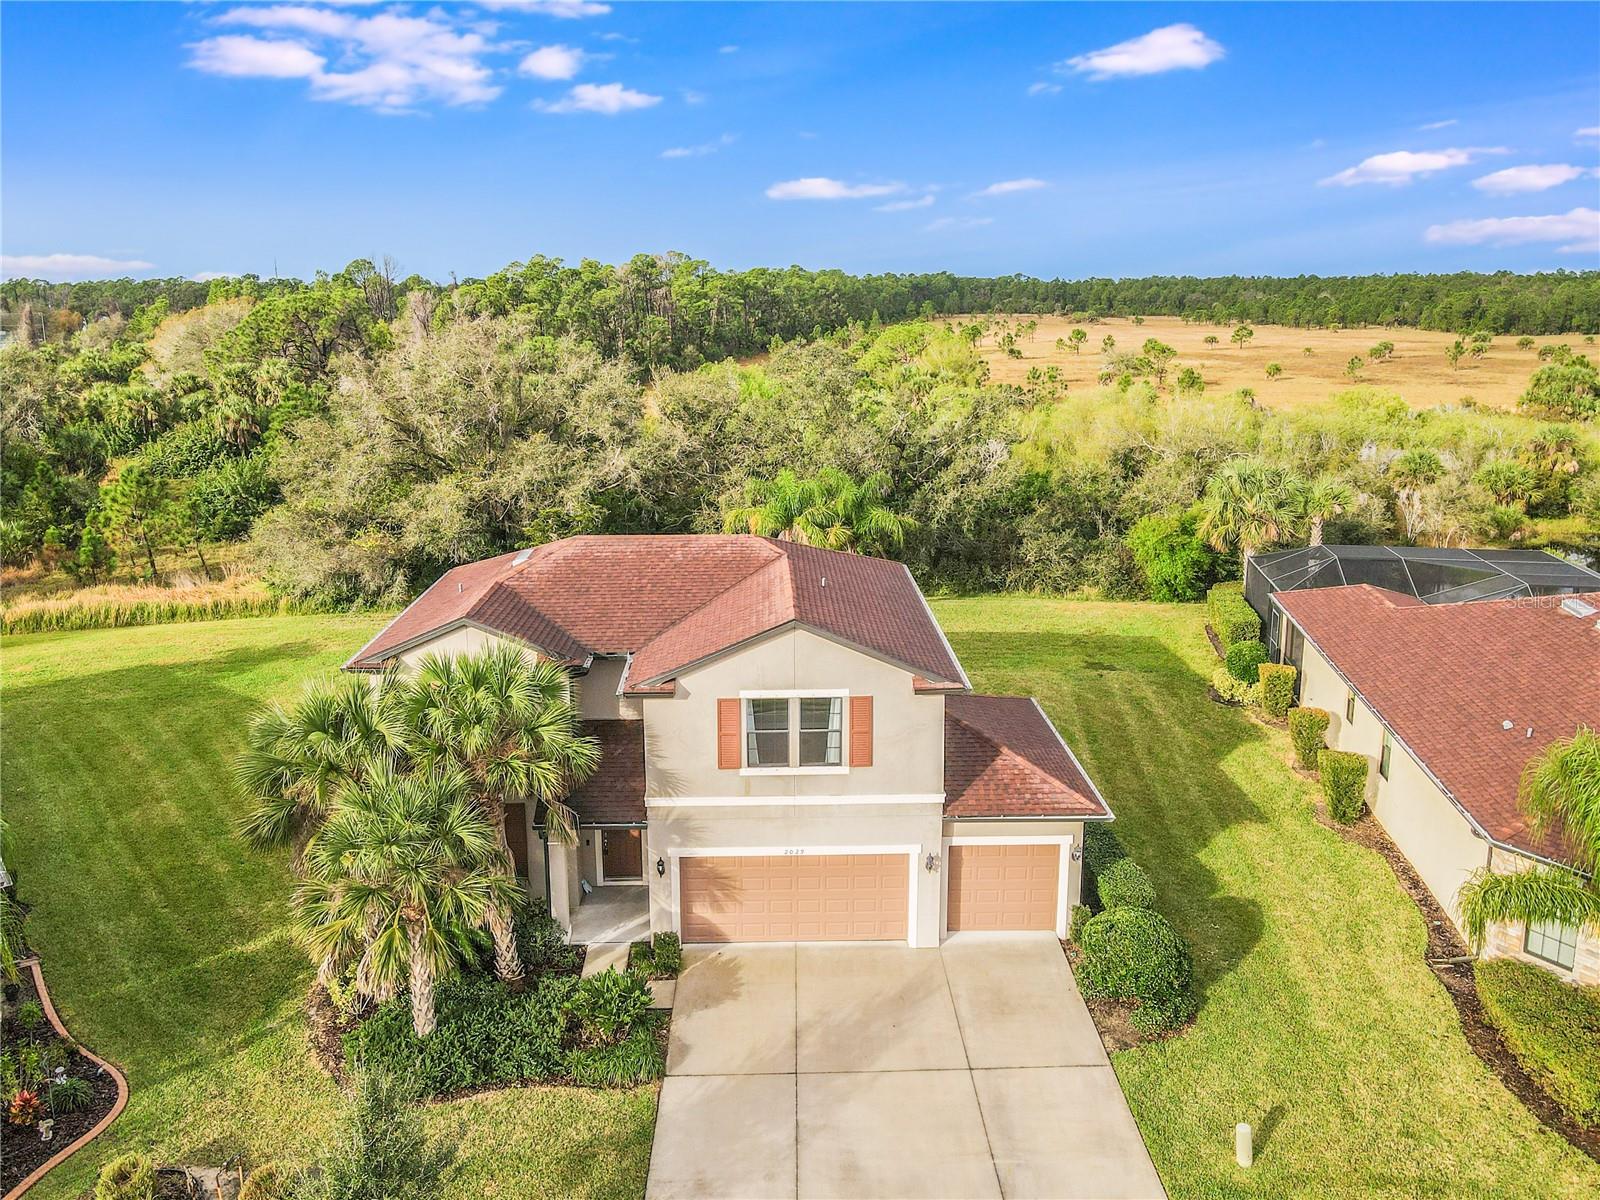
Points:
x=821 y=731
x=1553 y=943
x=1349 y=708
x=1384 y=755
x=767 y=733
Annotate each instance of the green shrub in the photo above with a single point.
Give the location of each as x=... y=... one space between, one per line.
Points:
x=659 y=958
x=611 y=1003
x=1174 y=558
x=380 y=1150
x=486 y=1035
x=1134 y=954
x=1124 y=884
x=1244 y=659
x=1344 y=783
x=1101 y=847
x=130 y=1177
x=1306 y=729
x=1232 y=619
x=1080 y=914
x=636 y=1059
x=542 y=942
x=1277 y=689
x=1236 y=691
x=70 y=1095
x=30 y=1014
x=185 y=451
x=1553 y=1028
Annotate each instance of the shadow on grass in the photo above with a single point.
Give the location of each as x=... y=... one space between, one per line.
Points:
x=179 y=928
x=1138 y=717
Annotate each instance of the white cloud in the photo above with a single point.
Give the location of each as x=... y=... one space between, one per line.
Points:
x=1587 y=132
x=1531 y=178
x=818 y=187
x=552 y=62
x=1580 y=229
x=944 y=224
x=727 y=49
x=566 y=10
x=208 y=276
x=1400 y=167
x=701 y=150
x=1007 y=186
x=68 y=266
x=1041 y=88
x=1438 y=125
x=252 y=57
x=904 y=205
x=1170 y=48
x=607 y=99
x=390 y=61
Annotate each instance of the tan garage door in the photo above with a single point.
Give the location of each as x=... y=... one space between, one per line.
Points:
x=1003 y=887
x=794 y=897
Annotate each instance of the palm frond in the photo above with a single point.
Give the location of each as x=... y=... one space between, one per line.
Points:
x=1541 y=894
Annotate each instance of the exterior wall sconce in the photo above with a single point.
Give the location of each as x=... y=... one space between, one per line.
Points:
x=931 y=863
x=661 y=868
x=1077 y=853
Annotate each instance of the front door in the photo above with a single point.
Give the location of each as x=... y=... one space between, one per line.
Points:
x=621 y=854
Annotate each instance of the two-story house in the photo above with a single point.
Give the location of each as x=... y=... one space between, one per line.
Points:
x=790 y=747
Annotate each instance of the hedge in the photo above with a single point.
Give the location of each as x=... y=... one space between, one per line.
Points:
x=1134 y=954
x=1551 y=1026
x=1101 y=847
x=1125 y=884
x=1232 y=619
x=1307 y=726
x=1344 y=783
x=1277 y=689
x=1244 y=660
x=1236 y=690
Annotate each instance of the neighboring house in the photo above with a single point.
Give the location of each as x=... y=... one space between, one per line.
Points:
x=790 y=748
x=1450 y=702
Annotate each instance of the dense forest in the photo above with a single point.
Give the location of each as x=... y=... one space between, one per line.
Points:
x=350 y=438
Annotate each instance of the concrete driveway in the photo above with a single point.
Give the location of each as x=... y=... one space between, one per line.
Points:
x=873 y=1070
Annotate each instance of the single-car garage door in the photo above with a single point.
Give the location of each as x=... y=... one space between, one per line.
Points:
x=1003 y=887
x=793 y=897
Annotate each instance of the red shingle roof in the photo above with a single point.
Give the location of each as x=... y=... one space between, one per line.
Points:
x=614 y=794
x=672 y=600
x=1445 y=677
x=1003 y=758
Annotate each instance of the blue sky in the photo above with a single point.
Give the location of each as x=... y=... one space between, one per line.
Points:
x=1066 y=140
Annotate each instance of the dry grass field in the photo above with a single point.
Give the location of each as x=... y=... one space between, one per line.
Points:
x=1417 y=370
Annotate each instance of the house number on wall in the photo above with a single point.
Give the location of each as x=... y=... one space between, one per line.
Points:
x=794 y=851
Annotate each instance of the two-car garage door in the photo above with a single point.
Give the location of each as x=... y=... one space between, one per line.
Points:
x=794 y=897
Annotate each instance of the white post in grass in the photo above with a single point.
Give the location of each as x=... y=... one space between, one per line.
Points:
x=1243 y=1148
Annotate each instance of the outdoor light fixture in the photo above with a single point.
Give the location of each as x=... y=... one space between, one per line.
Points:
x=1077 y=853
x=931 y=862
x=661 y=868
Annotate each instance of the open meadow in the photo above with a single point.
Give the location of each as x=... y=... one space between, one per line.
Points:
x=1417 y=369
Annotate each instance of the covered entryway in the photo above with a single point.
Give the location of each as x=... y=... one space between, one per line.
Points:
x=794 y=897
x=1004 y=887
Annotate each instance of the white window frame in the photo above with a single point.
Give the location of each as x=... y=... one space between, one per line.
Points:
x=1559 y=937
x=794 y=695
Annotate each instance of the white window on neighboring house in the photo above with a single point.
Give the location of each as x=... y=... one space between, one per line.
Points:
x=1553 y=943
x=1385 y=755
x=767 y=733
x=1350 y=708
x=821 y=731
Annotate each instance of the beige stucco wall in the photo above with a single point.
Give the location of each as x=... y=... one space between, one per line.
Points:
x=464 y=640
x=803 y=827
x=597 y=693
x=1430 y=831
x=681 y=730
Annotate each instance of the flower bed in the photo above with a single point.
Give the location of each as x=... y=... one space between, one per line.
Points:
x=46 y=1077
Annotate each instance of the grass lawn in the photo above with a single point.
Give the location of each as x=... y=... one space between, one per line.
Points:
x=166 y=944
x=1320 y=1024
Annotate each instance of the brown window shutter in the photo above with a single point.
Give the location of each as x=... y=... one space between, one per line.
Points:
x=860 y=731
x=728 y=734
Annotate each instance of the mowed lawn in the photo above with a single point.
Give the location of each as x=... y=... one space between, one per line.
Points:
x=1320 y=1024
x=166 y=944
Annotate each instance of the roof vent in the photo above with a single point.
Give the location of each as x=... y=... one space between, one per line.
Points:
x=1507 y=726
x=522 y=557
x=1574 y=607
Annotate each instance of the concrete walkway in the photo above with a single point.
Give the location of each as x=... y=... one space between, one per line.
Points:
x=874 y=1070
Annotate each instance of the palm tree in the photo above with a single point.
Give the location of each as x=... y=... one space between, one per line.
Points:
x=1560 y=794
x=509 y=725
x=1248 y=505
x=402 y=871
x=1324 y=497
x=297 y=757
x=830 y=510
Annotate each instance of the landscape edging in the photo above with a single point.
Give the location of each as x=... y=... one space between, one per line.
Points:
x=67 y=1151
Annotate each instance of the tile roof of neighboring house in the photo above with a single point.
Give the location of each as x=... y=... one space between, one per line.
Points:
x=614 y=794
x=673 y=600
x=1445 y=677
x=1003 y=758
